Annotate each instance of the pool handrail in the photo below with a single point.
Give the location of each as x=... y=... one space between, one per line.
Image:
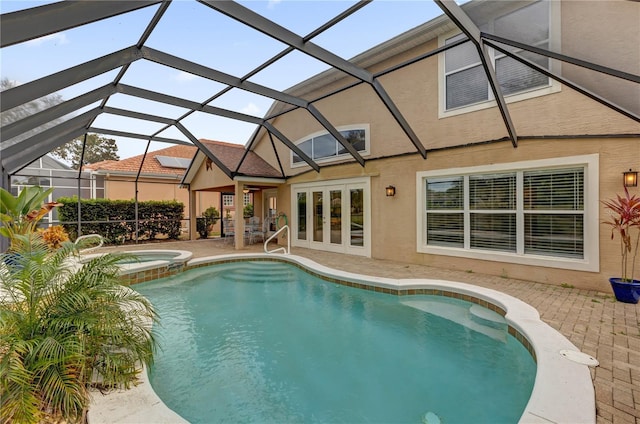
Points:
x=87 y=236
x=284 y=250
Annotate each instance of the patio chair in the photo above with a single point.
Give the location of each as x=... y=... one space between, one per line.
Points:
x=229 y=230
x=255 y=230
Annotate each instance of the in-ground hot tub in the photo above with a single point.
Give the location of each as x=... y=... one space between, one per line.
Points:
x=142 y=260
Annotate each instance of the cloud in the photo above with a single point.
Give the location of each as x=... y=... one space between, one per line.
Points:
x=183 y=76
x=57 y=38
x=272 y=3
x=251 y=109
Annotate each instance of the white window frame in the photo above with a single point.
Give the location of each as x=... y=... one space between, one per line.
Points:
x=590 y=261
x=336 y=158
x=227 y=200
x=553 y=87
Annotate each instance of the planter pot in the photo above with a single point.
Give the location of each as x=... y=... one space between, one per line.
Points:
x=626 y=291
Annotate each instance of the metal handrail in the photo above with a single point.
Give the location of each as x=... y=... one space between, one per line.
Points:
x=286 y=250
x=88 y=236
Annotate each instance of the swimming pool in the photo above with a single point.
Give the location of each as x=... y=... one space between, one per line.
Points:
x=268 y=342
x=563 y=390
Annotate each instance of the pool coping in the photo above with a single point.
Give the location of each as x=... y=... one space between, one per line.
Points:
x=562 y=392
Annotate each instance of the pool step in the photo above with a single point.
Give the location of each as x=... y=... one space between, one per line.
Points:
x=487 y=317
x=477 y=320
x=264 y=272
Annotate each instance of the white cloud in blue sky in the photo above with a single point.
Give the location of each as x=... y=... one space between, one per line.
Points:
x=58 y=38
x=184 y=77
x=252 y=109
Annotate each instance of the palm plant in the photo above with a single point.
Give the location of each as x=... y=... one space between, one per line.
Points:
x=21 y=214
x=625 y=220
x=64 y=328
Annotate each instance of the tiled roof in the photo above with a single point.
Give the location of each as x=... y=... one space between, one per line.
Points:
x=231 y=154
x=151 y=164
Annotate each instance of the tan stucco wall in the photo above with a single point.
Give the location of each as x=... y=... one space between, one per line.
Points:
x=559 y=114
x=394 y=219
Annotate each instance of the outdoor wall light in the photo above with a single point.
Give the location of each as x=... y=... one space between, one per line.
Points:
x=391 y=190
x=245 y=190
x=630 y=178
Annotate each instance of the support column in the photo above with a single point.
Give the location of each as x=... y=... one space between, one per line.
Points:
x=192 y=214
x=239 y=217
x=5 y=183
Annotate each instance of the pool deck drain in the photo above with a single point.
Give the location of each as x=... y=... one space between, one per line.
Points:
x=593 y=321
x=580 y=358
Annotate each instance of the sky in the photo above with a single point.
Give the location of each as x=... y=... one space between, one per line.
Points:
x=195 y=32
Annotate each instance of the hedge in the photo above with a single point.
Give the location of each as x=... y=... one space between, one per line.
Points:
x=114 y=220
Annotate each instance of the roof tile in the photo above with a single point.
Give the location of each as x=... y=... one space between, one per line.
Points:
x=231 y=154
x=151 y=164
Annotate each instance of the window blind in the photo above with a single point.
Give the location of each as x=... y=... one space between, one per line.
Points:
x=445 y=220
x=554 y=212
x=549 y=217
x=488 y=229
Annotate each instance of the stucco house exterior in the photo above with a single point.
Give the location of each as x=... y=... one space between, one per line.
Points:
x=159 y=178
x=469 y=195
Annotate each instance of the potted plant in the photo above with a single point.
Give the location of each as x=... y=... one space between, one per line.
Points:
x=625 y=220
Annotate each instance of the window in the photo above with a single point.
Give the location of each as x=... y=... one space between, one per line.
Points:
x=530 y=212
x=323 y=147
x=246 y=197
x=227 y=200
x=553 y=218
x=465 y=80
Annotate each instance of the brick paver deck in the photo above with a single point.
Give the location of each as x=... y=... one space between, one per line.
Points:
x=595 y=322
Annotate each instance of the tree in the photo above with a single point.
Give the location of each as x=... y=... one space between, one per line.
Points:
x=22 y=111
x=97 y=149
x=64 y=329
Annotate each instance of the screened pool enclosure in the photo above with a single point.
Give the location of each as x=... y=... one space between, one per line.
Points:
x=74 y=68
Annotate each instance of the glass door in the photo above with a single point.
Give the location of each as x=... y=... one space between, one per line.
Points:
x=317 y=199
x=270 y=207
x=332 y=217
x=335 y=214
x=326 y=216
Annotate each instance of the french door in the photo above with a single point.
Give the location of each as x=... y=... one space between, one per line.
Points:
x=333 y=217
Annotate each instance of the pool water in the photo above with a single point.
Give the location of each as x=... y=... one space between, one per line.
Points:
x=266 y=342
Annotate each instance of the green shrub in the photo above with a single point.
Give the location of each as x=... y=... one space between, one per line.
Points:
x=248 y=211
x=203 y=224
